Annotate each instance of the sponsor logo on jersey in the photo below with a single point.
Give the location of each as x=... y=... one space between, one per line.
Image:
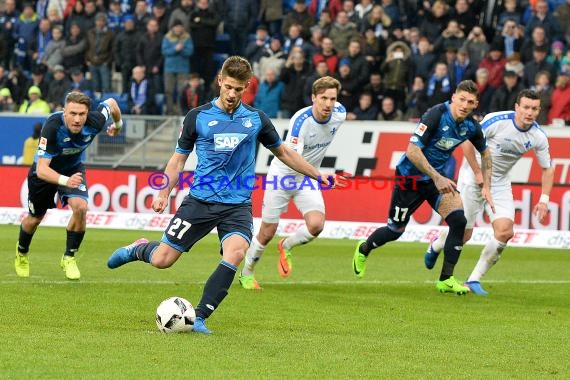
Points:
x=67 y=139
x=445 y=128
x=247 y=123
x=421 y=129
x=462 y=131
x=447 y=143
x=212 y=123
x=87 y=138
x=68 y=151
x=43 y=143
x=226 y=142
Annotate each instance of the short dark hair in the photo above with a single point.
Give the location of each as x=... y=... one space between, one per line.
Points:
x=78 y=97
x=526 y=93
x=238 y=68
x=468 y=86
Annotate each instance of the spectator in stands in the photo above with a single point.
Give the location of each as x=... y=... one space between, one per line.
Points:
x=39 y=42
x=495 y=65
x=90 y=14
x=349 y=85
x=140 y=93
x=294 y=38
x=149 y=54
x=99 y=54
x=298 y=15
x=542 y=17
x=55 y=16
x=358 y=64
x=424 y=61
x=31 y=145
x=161 y=15
x=268 y=98
x=373 y=49
x=8 y=19
x=18 y=84
x=560 y=108
x=464 y=15
x=395 y=72
x=80 y=83
x=509 y=13
x=537 y=64
x=378 y=21
x=392 y=10
x=182 y=13
x=562 y=14
x=250 y=92
x=321 y=70
x=115 y=17
x=256 y=48
x=556 y=56
x=73 y=51
x=53 y=51
x=140 y=15
x=365 y=110
x=389 y=111
x=239 y=20
x=6 y=101
x=271 y=14
x=39 y=79
x=416 y=100
x=538 y=38
x=35 y=105
x=203 y=25
x=439 y=85
x=514 y=64
x=435 y=20
x=362 y=9
x=543 y=88
x=342 y=32
x=452 y=35
x=193 y=94
x=24 y=31
x=125 y=51
x=77 y=16
x=485 y=92
x=510 y=39
x=316 y=8
x=274 y=58
x=327 y=54
x=57 y=89
x=177 y=47
x=325 y=22
x=375 y=87
x=476 y=45
x=294 y=75
x=504 y=97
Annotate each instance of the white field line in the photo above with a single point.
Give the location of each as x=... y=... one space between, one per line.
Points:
x=46 y=281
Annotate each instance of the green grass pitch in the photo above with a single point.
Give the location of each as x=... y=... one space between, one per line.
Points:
x=322 y=322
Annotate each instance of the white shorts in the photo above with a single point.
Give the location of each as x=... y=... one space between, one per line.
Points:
x=275 y=202
x=473 y=203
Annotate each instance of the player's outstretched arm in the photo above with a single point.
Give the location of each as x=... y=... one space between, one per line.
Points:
x=294 y=160
x=417 y=157
x=170 y=179
x=541 y=208
x=486 y=168
x=115 y=127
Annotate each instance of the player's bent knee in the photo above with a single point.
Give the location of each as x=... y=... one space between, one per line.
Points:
x=316 y=228
x=456 y=220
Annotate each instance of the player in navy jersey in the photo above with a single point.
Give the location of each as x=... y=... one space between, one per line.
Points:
x=224 y=133
x=58 y=168
x=440 y=130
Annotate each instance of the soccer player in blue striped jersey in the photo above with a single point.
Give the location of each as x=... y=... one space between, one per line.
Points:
x=510 y=135
x=440 y=131
x=58 y=168
x=224 y=133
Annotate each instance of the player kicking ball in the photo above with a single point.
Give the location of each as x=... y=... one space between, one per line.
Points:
x=441 y=129
x=510 y=134
x=311 y=131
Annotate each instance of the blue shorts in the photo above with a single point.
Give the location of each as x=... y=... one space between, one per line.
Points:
x=194 y=219
x=41 y=194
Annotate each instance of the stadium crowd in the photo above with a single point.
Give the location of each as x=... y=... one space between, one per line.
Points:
x=394 y=59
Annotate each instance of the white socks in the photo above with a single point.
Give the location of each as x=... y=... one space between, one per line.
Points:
x=438 y=244
x=252 y=256
x=489 y=257
x=301 y=236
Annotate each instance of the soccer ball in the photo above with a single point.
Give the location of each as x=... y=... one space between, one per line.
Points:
x=175 y=314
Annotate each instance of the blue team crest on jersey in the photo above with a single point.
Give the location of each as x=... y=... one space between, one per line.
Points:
x=226 y=142
x=528 y=145
x=447 y=143
x=247 y=123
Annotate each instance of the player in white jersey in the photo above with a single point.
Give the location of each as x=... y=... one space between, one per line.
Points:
x=509 y=135
x=311 y=131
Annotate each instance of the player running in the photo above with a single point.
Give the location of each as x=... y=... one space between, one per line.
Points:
x=510 y=134
x=441 y=129
x=58 y=168
x=312 y=130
